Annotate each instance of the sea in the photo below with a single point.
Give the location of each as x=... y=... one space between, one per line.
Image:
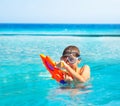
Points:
x=24 y=81
x=60 y=29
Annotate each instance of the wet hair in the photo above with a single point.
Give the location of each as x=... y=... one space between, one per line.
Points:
x=71 y=50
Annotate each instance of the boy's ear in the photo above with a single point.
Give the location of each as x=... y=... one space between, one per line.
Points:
x=79 y=61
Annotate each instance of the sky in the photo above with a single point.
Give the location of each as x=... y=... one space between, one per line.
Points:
x=60 y=11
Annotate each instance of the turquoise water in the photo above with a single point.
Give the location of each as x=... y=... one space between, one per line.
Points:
x=60 y=29
x=24 y=80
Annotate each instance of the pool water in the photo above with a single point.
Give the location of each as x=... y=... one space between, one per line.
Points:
x=24 y=81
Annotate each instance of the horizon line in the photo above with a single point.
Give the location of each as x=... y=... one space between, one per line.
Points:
x=66 y=23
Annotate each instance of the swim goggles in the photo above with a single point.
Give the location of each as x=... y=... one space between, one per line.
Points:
x=71 y=59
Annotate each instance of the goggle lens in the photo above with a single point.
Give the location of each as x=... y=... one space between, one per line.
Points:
x=72 y=60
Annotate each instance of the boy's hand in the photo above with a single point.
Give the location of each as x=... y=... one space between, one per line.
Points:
x=61 y=64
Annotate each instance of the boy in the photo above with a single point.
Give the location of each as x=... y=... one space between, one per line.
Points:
x=70 y=60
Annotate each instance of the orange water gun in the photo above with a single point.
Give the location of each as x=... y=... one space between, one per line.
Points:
x=55 y=72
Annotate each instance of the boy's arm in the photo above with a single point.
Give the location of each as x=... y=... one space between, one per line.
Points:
x=73 y=73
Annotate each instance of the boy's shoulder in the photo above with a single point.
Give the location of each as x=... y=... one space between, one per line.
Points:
x=86 y=72
x=87 y=67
